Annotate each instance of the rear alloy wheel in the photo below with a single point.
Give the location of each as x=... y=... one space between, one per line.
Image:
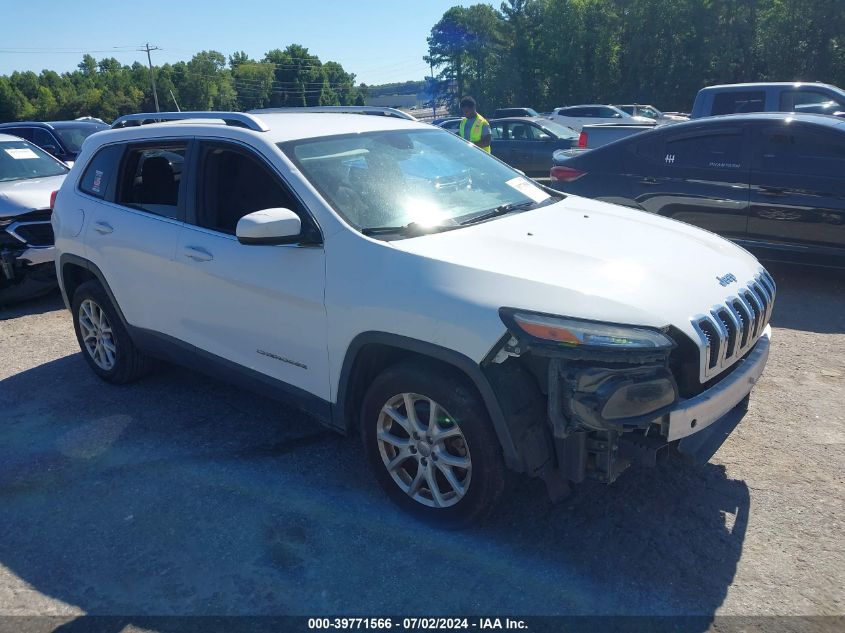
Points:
x=97 y=335
x=431 y=444
x=102 y=337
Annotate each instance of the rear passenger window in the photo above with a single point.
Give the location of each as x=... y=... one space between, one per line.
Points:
x=707 y=151
x=800 y=151
x=234 y=184
x=803 y=100
x=151 y=177
x=98 y=179
x=43 y=138
x=738 y=102
x=20 y=132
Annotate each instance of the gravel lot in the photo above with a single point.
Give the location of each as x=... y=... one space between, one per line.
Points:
x=181 y=495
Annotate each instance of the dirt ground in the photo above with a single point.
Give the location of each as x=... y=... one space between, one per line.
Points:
x=182 y=495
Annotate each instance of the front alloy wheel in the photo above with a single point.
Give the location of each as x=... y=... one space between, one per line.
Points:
x=424 y=450
x=431 y=444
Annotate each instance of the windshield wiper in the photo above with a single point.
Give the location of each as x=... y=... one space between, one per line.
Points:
x=500 y=210
x=409 y=230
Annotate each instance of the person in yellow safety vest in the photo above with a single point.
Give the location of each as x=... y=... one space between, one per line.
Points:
x=474 y=127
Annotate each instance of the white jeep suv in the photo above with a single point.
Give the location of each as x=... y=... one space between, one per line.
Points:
x=396 y=281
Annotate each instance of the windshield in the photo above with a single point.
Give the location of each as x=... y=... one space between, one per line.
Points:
x=561 y=131
x=418 y=177
x=650 y=112
x=20 y=160
x=73 y=137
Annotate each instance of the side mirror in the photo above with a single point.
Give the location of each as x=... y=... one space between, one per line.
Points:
x=269 y=226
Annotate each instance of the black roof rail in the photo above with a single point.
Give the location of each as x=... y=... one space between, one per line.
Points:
x=237 y=119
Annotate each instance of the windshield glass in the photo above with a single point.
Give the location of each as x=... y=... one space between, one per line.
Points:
x=73 y=137
x=559 y=130
x=400 y=178
x=649 y=112
x=20 y=160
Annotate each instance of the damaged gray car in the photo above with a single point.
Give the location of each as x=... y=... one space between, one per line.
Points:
x=28 y=178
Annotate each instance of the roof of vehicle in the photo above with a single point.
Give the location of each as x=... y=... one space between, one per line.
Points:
x=522 y=119
x=821 y=119
x=715 y=121
x=53 y=124
x=767 y=84
x=279 y=126
x=587 y=105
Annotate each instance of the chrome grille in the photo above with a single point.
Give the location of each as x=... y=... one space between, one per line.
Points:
x=731 y=329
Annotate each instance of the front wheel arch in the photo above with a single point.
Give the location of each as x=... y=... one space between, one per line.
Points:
x=370 y=353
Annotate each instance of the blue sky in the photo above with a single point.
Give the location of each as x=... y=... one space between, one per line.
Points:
x=380 y=41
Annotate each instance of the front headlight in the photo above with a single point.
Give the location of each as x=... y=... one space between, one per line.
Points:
x=577 y=333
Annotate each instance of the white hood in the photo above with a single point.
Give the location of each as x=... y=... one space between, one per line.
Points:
x=593 y=260
x=22 y=196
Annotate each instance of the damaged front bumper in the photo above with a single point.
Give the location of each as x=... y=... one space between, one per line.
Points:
x=27 y=256
x=606 y=413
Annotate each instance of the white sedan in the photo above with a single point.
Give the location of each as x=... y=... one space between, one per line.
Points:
x=578 y=116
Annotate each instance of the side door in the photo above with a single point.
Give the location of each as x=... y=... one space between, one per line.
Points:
x=578 y=118
x=606 y=115
x=738 y=102
x=798 y=186
x=807 y=101
x=538 y=148
x=501 y=146
x=133 y=201
x=699 y=176
x=521 y=145
x=260 y=307
x=47 y=141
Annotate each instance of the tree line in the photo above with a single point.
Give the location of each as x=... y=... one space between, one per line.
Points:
x=209 y=81
x=549 y=53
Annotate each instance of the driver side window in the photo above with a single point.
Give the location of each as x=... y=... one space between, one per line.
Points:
x=232 y=184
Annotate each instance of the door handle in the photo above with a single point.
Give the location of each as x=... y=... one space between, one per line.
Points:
x=648 y=181
x=103 y=228
x=773 y=191
x=197 y=254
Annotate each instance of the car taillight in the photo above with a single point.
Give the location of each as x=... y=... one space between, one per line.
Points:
x=565 y=174
x=53 y=200
x=582 y=140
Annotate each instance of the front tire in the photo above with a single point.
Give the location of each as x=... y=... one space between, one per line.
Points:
x=431 y=445
x=103 y=339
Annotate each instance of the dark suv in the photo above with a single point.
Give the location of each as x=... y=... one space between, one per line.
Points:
x=62 y=139
x=772 y=182
x=515 y=112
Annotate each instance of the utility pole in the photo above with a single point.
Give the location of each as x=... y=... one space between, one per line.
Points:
x=434 y=92
x=148 y=48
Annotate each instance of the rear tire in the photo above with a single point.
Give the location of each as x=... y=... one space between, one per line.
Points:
x=104 y=341
x=447 y=468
